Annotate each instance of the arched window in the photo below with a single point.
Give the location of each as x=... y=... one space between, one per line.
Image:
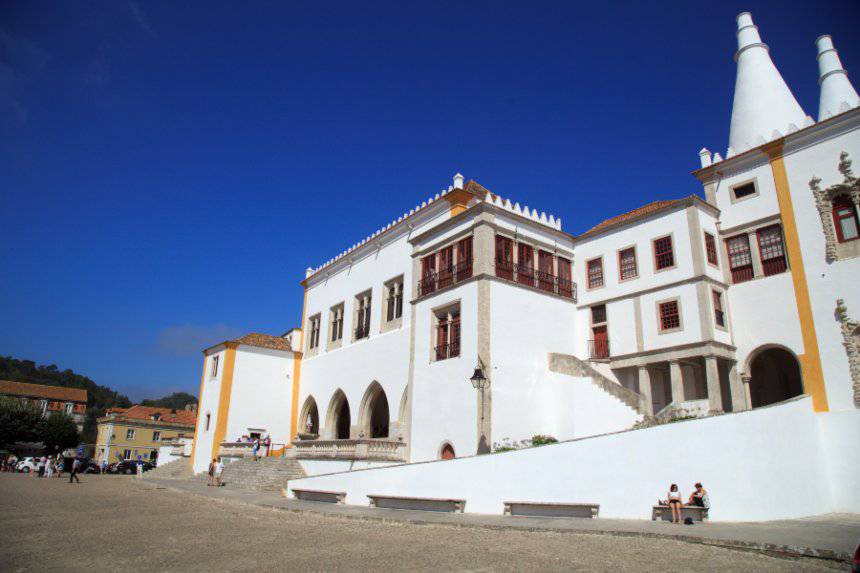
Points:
x=845 y=219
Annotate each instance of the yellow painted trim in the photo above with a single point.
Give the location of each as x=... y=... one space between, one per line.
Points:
x=224 y=398
x=810 y=360
x=458 y=199
x=297 y=373
x=199 y=402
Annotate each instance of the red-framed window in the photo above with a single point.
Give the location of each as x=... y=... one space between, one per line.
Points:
x=504 y=257
x=448 y=337
x=464 y=258
x=740 y=258
x=442 y=339
x=594 y=273
x=546 y=278
x=428 y=275
x=772 y=250
x=664 y=255
x=598 y=314
x=719 y=314
x=627 y=268
x=670 y=315
x=565 y=284
x=845 y=219
x=446 y=267
x=525 y=264
x=711 y=249
x=454 y=346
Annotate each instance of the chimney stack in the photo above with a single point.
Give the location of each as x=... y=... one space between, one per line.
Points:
x=458 y=181
x=837 y=93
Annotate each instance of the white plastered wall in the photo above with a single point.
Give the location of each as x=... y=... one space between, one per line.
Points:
x=208 y=404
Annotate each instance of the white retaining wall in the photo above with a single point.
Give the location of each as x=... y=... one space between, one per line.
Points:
x=777 y=462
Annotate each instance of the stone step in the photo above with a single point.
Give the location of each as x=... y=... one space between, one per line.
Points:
x=267 y=474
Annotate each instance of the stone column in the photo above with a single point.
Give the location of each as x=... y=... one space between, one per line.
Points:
x=739 y=398
x=483 y=246
x=677 y=382
x=712 y=376
x=746 y=380
x=758 y=270
x=645 y=390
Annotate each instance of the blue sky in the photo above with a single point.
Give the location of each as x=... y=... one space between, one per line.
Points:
x=169 y=169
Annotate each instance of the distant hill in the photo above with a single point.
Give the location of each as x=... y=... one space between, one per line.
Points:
x=99 y=398
x=176 y=401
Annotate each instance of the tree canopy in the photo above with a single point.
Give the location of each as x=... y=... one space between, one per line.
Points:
x=176 y=401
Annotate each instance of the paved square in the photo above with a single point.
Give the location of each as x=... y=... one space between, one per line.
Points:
x=116 y=523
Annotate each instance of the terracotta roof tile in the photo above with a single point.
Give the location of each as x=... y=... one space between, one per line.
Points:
x=264 y=341
x=631 y=215
x=147 y=412
x=41 y=391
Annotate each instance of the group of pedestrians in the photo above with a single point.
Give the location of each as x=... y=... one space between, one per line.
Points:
x=699 y=498
x=216 y=468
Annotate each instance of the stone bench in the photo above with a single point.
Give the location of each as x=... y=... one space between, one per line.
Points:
x=418 y=503
x=664 y=512
x=319 y=495
x=551 y=509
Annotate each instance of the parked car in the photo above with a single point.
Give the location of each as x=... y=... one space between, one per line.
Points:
x=855 y=565
x=91 y=467
x=26 y=465
x=130 y=467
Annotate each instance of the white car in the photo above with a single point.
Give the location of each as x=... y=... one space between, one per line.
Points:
x=26 y=465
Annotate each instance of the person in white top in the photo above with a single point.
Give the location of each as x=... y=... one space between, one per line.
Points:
x=219 y=467
x=675 y=503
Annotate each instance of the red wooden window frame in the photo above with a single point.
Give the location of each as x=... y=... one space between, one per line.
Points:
x=454 y=337
x=446 y=266
x=845 y=212
x=664 y=253
x=525 y=264
x=594 y=272
x=740 y=258
x=428 y=275
x=771 y=250
x=719 y=314
x=627 y=267
x=711 y=249
x=670 y=315
x=598 y=314
x=565 y=285
x=546 y=278
x=464 y=259
x=442 y=339
x=504 y=257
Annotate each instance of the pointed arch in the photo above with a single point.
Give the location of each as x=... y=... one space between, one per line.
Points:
x=310 y=419
x=338 y=418
x=374 y=416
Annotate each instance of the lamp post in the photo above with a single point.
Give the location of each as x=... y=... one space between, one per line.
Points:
x=480 y=382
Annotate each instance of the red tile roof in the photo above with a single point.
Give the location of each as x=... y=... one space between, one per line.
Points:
x=631 y=215
x=264 y=341
x=168 y=416
x=61 y=393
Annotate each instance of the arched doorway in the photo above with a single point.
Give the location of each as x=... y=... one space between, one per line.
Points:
x=310 y=418
x=775 y=377
x=447 y=452
x=375 y=416
x=338 y=420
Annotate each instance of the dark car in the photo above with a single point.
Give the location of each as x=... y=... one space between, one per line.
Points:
x=91 y=467
x=129 y=467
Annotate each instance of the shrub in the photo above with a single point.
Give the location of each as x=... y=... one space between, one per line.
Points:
x=540 y=440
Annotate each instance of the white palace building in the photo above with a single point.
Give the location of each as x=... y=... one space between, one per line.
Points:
x=473 y=320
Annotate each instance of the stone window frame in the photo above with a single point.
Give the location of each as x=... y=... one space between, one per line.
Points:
x=680 y=327
x=397 y=321
x=448 y=309
x=671 y=237
x=851 y=341
x=850 y=186
x=735 y=199
x=602 y=284
x=129 y=433
x=357 y=301
x=156 y=435
x=312 y=348
x=332 y=315
x=705 y=235
x=722 y=295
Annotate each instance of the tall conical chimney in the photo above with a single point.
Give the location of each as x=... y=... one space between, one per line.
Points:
x=764 y=107
x=837 y=93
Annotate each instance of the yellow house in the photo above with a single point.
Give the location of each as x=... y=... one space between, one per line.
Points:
x=137 y=432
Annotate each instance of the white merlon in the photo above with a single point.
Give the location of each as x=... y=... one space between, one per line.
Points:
x=837 y=93
x=458 y=181
x=705 y=157
x=763 y=102
x=718 y=157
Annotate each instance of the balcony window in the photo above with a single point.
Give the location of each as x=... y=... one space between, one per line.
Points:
x=740 y=258
x=504 y=258
x=447 y=333
x=595 y=273
x=711 y=249
x=545 y=276
x=664 y=255
x=565 y=284
x=427 y=284
x=772 y=250
x=845 y=219
x=525 y=266
x=446 y=267
x=627 y=268
x=464 y=259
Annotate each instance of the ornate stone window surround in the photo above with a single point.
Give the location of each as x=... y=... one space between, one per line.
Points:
x=851 y=341
x=850 y=187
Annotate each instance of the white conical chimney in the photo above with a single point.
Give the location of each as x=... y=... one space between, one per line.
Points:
x=763 y=103
x=836 y=90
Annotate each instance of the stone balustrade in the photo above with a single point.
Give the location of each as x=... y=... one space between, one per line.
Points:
x=358 y=449
x=237 y=449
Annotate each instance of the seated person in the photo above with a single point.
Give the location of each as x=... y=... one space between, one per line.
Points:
x=699 y=497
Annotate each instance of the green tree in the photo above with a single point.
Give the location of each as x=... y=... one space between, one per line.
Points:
x=58 y=432
x=176 y=401
x=19 y=422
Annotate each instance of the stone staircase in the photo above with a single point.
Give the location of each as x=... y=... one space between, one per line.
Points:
x=177 y=469
x=573 y=366
x=267 y=474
